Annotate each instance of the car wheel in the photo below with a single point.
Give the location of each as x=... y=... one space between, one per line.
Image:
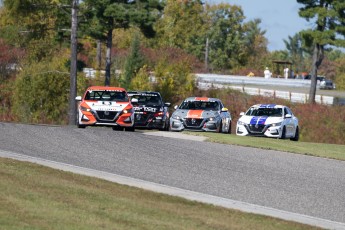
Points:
x=283 y=133
x=117 y=128
x=78 y=124
x=130 y=129
x=165 y=126
x=229 y=131
x=220 y=130
x=296 y=137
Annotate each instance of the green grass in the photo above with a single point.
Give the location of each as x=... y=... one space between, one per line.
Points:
x=332 y=151
x=38 y=197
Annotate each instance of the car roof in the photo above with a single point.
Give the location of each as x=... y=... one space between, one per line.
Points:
x=268 y=106
x=102 y=88
x=201 y=99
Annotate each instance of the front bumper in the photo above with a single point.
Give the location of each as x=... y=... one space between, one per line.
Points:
x=265 y=131
x=148 y=121
x=197 y=125
x=101 y=118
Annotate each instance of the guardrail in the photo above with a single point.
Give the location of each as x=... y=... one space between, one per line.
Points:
x=243 y=80
x=291 y=96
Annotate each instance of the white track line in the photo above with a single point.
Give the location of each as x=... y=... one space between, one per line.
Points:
x=190 y=195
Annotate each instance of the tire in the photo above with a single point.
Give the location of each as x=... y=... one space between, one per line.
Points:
x=220 y=130
x=117 y=128
x=165 y=126
x=78 y=124
x=283 y=133
x=229 y=131
x=296 y=137
x=130 y=129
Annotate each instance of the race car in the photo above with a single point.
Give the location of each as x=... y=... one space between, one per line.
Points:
x=268 y=120
x=201 y=114
x=150 y=110
x=105 y=106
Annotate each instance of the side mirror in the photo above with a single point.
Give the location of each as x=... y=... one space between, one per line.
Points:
x=241 y=113
x=167 y=104
x=134 y=100
x=288 y=116
x=176 y=106
x=224 y=110
x=78 y=98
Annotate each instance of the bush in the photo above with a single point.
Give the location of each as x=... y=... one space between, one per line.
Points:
x=174 y=81
x=41 y=93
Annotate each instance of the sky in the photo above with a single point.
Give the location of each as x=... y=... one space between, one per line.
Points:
x=279 y=18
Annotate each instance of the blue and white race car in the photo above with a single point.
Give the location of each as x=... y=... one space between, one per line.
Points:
x=268 y=120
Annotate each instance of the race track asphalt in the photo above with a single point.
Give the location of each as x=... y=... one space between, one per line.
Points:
x=302 y=186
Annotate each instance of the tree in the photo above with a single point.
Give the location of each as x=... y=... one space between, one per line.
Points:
x=37 y=24
x=225 y=33
x=172 y=27
x=329 y=18
x=134 y=62
x=174 y=80
x=141 y=81
x=103 y=16
x=255 y=44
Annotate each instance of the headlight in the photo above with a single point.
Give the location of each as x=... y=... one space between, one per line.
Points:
x=276 y=124
x=176 y=117
x=241 y=123
x=82 y=108
x=211 y=119
x=127 y=110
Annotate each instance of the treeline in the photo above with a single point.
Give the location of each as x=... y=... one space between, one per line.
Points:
x=143 y=44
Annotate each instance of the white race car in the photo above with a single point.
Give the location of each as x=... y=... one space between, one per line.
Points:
x=268 y=120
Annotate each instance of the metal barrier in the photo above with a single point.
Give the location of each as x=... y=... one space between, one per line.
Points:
x=287 y=95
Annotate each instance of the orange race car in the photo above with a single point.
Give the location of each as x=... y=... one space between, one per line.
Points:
x=105 y=106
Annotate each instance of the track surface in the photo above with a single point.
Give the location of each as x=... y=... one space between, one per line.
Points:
x=295 y=183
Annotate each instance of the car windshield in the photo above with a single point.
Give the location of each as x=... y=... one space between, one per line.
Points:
x=200 y=105
x=100 y=95
x=148 y=99
x=268 y=112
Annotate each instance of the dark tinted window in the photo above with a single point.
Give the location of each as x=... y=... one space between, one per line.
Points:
x=269 y=112
x=200 y=105
x=93 y=95
x=148 y=99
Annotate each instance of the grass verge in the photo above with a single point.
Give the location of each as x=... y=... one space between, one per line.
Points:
x=332 y=151
x=38 y=197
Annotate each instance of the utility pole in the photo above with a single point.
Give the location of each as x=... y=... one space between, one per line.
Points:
x=72 y=112
x=206 y=55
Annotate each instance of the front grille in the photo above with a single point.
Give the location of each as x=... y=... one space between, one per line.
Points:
x=256 y=128
x=141 y=119
x=106 y=115
x=192 y=122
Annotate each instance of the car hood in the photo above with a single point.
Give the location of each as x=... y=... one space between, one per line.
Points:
x=260 y=120
x=107 y=105
x=196 y=114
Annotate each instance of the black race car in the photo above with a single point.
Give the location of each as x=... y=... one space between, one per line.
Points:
x=150 y=110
